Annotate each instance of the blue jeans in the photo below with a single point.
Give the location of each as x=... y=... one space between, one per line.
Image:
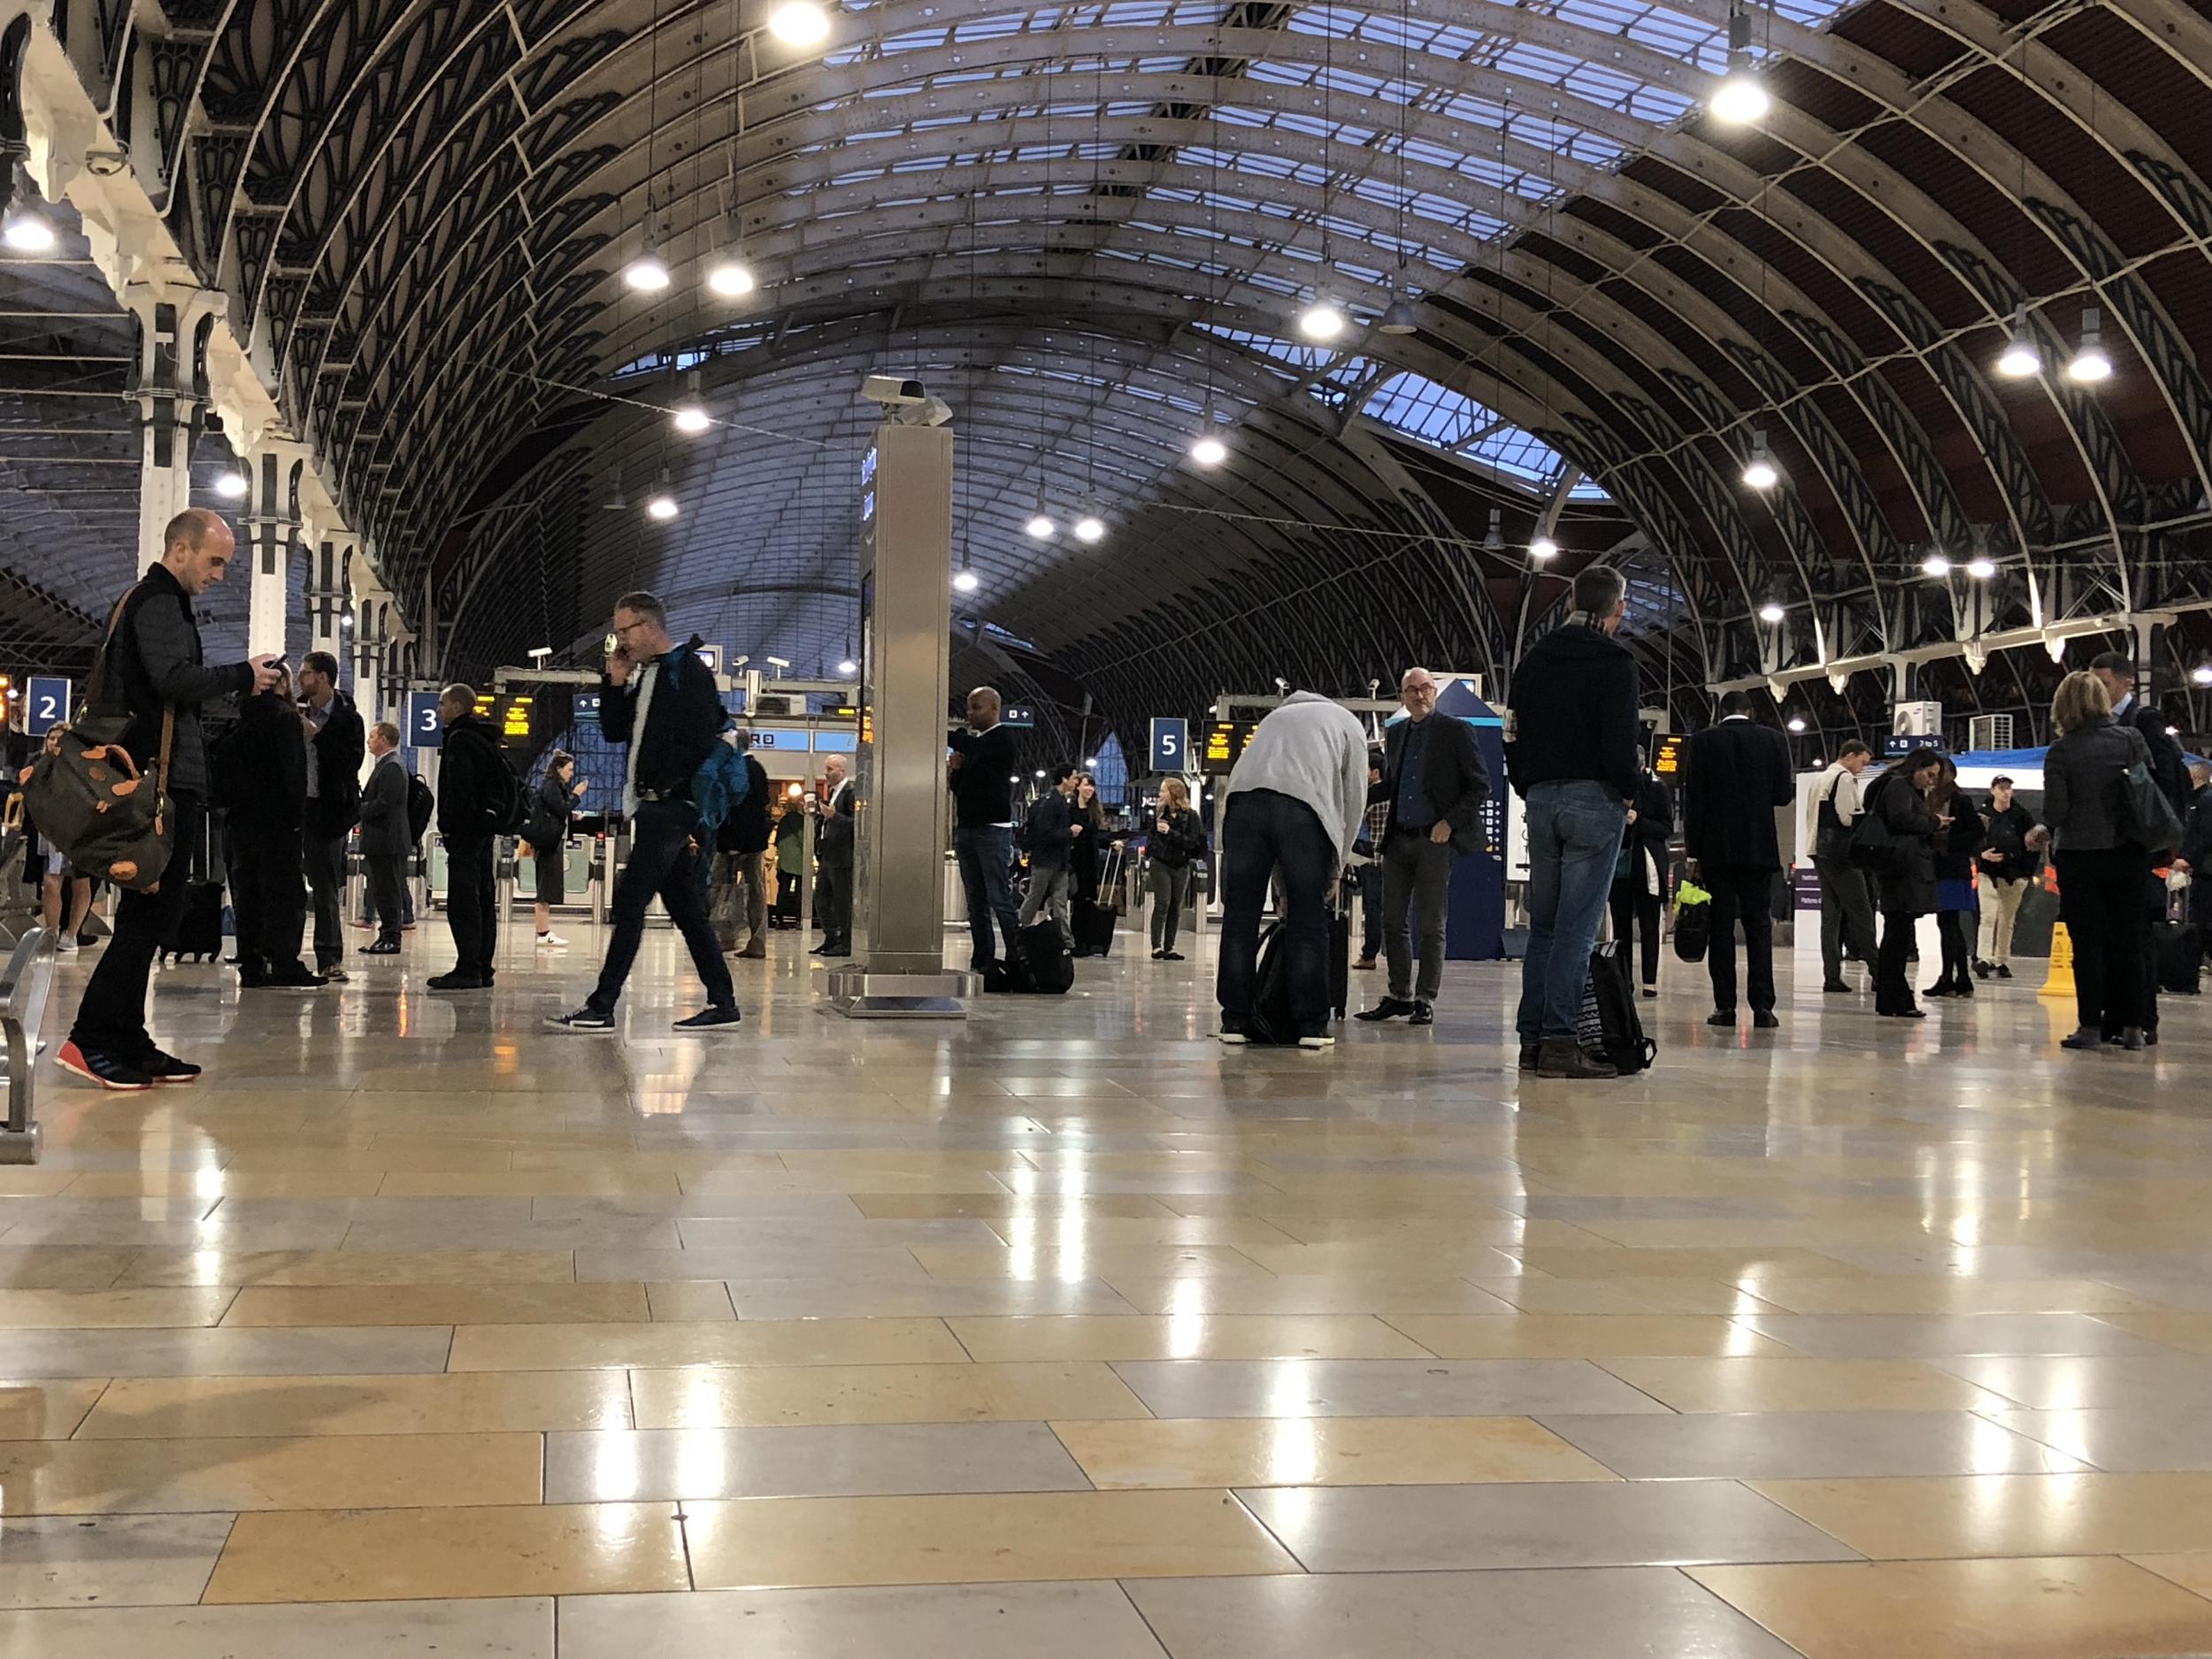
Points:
x=1265 y=829
x=1574 y=839
x=986 y=860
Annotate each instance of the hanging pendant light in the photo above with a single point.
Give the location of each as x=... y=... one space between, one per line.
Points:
x=1935 y=564
x=1494 y=541
x=648 y=273
x=1759 y=472
x=1740 y=98
x=1772 y=614
x=966 y=581
x=1040 y=527
x=1399 y=318
x=1090 y=528
x=231 y=486
x=1322 y=321
x=730 y=276
x=1981 y=568
x=800 y=23
x=2021 y=357
x=2090 y=365
x=27 y=232
x=1543 y=547
x=1206 y=450
x=661 y=505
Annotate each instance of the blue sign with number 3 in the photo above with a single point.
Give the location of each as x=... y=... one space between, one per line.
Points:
x=424 y=730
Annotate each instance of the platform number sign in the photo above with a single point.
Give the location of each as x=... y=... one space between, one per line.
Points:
x=423 y=729
x=47 y=697
x=1171 y=745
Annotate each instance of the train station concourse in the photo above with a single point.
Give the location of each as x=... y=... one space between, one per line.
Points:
x=1142 y=829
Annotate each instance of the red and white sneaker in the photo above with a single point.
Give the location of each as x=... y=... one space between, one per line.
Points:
x=106 y=1069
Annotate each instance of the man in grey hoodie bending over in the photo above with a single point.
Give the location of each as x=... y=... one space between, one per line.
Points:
x=1296 y=800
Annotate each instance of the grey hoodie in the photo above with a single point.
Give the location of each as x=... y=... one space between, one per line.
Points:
x=1313 y=751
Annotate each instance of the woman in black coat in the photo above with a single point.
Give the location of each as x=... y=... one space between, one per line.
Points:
x=1086 y=858
x=1960 y=834
x=552 y=810
x=1640 y=877
x=1176 y=838
x=1906 y=889
x=258 y=770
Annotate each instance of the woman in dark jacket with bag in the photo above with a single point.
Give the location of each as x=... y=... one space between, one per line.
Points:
x=1640 y=875
x=1905 y=887
x=552 y=810
x=1176 y=838
x=2100 y=871
x=1959 y=836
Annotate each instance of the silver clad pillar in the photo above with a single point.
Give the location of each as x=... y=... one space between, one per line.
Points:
x=898 y=966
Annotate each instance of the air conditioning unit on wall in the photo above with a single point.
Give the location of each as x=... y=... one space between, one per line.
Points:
x=1989 y=731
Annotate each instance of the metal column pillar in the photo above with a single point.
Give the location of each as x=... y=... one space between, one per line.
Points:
x=368 y=657
x=273 y=533
x=169 y=389
x=326 y=596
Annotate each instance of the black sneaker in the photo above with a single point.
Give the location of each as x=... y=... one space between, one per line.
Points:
x=333 y=974
x=582 y=1019
x=97 y=1066
x=1981 y=969
x=1389 y=1008
x=457 y=981
x=166 y=1068
x=709 y=1019
x=1423 y=1015
x=298 y=980
x=1837 y=988
x=1529 y=1051
x=1171 y=955
x=382 y=948
x=2003 y=972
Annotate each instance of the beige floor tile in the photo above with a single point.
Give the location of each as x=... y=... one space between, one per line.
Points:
x=62 y=1266
x=1322 y=1452
x=1954 y=1295
x=438 y=1304
x=1179 y=1336
x=999 y=1203
x=214 y=1183
x=2047 y=1609
x=1466 y=1259
x=748 y=1181
x=1551 y=1336
x=963 y=1540
x=1030 y=1232
x=546 y=1549
x=109 y=1310
x=1626 y=1295
x=2191 y=1333
x=1108 y=1263
x=600 y=1183
x=109 y=1561
x=1738 y=1265
x=46 y=1411
x=2192 y=1572
x=689 y=1300
x=29 y=1183
x=2007 y=1515
x=1800 y=1384
x=464 y=1403
x=104 y=1477
x=743 y=1397
x=1308 y=1294
x=753 y=1342
x=515 y=1628
x=351 y=1267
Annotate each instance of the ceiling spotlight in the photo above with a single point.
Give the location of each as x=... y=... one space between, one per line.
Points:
x=1981 y=569
x=1040 y=527
x=848 y=666
x=1092 y=761
x=1543 y=547
x=966 y=581
x=1208 y=450
x=1771 y=613
x=2020 y=358
x=1399 y=318
x=2202 y=673
x=1759 y=472
x=1322 y=320
x=26 y=232
x=648 y=273
x=731 y=277
x=1739 y=99
x=1797 y=723
x=231 y=486
x=1936 y=564
x=660 y=507
x=691 y=418
x=800 y=23
x=2090 y=365
x=1041 y=772
x=1090 y=527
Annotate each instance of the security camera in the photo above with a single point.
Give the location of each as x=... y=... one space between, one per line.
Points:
x=931 y=411
x=1282 y=687
x=892 y=392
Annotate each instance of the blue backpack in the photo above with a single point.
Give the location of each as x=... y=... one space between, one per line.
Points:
x=721 y=782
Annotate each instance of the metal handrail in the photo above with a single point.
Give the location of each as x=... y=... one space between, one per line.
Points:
x=24 y=987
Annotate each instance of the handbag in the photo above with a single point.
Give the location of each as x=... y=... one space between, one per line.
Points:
x=89 y=799
x=2144 y=816
x=1874 y=847
x=1692 y=920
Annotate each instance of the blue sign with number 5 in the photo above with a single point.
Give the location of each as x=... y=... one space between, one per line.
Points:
x=1171 y=745
x=49 y=695
x=423 y=729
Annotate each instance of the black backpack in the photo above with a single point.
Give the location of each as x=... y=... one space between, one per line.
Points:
x=422 y=806
x=1608 y=1026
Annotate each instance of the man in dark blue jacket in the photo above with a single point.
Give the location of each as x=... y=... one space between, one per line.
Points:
x=2170 y=772
x=660 y=702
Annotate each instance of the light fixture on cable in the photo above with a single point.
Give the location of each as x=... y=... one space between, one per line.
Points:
x=1935 y=564
x=27 y=232
x=1740 y=98
x=1771 y=613
x=731 y=277
x=1543 y=547
x=661 y=505
x=1981 y=568
x=1759 y=472
x=1321 y=321
x=966 y=581
x=231 y=486
x=1399 y=317
x=689 y=417
x=1796 y=723
x=800 y=23
x=2089 y=365
x=847 y=667
x=1208 y=450
x=2020 y=359
x=648 y=273
x=1494 y=540
x=1090 y=527
x=2201 y=674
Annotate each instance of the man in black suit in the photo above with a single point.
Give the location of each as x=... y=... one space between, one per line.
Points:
x=834 y=858
x=1436 y=783
x=1740 y=772
x=2170 y=772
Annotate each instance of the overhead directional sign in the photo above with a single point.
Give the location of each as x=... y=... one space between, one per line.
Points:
x=48 y=703
x=424 y=730
x=1170 y=744
x=1017 y=715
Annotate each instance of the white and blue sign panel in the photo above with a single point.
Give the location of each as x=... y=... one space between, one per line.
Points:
x=47 y=697
x=424 y=729
x=1171 y=745
x=712 y=655
x=1017 y=715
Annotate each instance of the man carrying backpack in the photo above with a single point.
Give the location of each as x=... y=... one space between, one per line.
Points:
x=660 y=700
x=479 y=800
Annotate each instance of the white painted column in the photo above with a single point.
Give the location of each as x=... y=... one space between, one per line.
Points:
x=272 y=531
x=169 y=387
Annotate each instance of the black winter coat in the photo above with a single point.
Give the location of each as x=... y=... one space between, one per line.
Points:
x=1186 y=838
x=154 y=662
x=1909 y=890
x=474 y=781
x=259 y=768
x=336 y=754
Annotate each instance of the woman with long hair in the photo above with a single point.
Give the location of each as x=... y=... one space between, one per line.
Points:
x=1175 y=839
x=2100 y=872
x=552 y=808
x=1959 y=836
x=1086 y=857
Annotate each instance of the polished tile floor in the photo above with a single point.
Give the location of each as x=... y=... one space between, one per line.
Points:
x=412 y=1330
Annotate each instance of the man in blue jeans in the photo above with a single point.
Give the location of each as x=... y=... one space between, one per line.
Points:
x=1573 y=760
x=981 y=769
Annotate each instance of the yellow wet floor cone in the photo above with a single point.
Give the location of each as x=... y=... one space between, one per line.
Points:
x=2059 y=980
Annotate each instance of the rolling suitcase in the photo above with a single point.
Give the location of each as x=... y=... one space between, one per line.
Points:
x=1094 y=925
x=199 y=934
x=2178 y=950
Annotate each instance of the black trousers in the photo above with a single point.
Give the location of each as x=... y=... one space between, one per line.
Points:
x=1265 y=829
x=471 y=905
x=112 y=1016
x=1746 y=896
x=2153 y=908
x=1955 y=929
x=1631 y=905
x=1847 y=915
x=835 y=884
x=1416 y=893
x=1892 y=988
x=326 y=860
x=267 y=899
x=663 y=863
x=387 y=878
x=2100 y=901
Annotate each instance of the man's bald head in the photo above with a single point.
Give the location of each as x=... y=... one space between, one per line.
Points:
x=196 y=548
x=1417 y=689
x=984 y=704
